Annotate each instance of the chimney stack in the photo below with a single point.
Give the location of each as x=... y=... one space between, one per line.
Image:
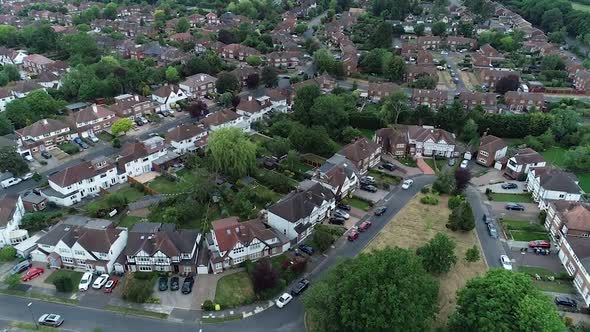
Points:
x=202 y=77
x=136 y=98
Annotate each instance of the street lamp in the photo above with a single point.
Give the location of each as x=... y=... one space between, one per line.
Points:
x=32 y=316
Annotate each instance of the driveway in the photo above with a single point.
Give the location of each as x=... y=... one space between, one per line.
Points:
x=490 y=177
x=498 y=210
x=373 y=197
x=497 y=188
x=175 y=298
x=401 y=169
x=549 y=262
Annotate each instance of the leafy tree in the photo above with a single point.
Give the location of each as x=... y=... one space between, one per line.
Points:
x=394 y=106
x=465 y=29
x=462 y=178
x=383 y=290
x=253 y=60
x=564 y=121
x=304 y=100
x=5 y=125
x=469 y=133
x=455 y=201
x=110 y=11
x=11 y=161
x=425 y=82
x=578 y=159
x=374 y=60
x=439 y=28
x=419 y=29
x=324 y=61
x=504 y=301
x=269 y=76
x=438 y=255
x=227 y=82
x=461 y=218
x=121 y=126
x=232 y=152
x=312 y=140
x=300 y=28
x=63 y=283
x=172 y=75
x=552 y=19
x=552 y=62
x=12 y=281
x=472 y=254
x=7 y=254
x=278 y=146
x=330 y=112
x=322 y=239
x=264 y=277
x=183 y=25
x=79 y=48
x=292 y=159
x=507 y=83
x=395 y=68
x=11 y=72
x=252 y=81
x=197 y=109
x=349 y=134
x=382 y=35
x=444 y=184
x=451 y=118
x=558 y=37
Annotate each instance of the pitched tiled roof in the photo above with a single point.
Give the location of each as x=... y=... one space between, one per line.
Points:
x=164 y=91
x=528 y=156
x=575 y=215
x=7 y=208
x=422 y=134
x=90 y=113
x=167 y=240
x=78 y=172
x=557 y=180
x=300 y=204
x=230 y=231
x=42 y=127
x=359 y=150
x=183 y=132
x=220 y=117
x=491 y=144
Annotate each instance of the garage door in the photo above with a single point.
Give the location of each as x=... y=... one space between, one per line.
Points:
x=38 y=256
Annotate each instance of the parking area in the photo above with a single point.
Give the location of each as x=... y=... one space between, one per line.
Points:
x=373 y=197
x=550 y=262
x=490 y=177
x=531 y=211
x=175 y=298
x=497 y=188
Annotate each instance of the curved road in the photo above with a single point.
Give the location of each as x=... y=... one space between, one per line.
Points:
x=289 y=319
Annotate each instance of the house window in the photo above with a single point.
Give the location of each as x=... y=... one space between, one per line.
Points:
x=143 y=259
x=238 y=260
x=145 y=268
x=64 y=251
x=561 y=195
x=187 y=269
x=238 y=250
x=67 y=260
x=79 y=252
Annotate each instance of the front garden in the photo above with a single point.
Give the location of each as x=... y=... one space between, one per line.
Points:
x=524 y=230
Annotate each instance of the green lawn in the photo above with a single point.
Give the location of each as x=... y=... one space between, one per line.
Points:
x=234 y=290
x=557 y=286
x=131 y=194
x=431 y=163
x=584 y=181
x=581 y=7
x=514 y=198
x=357 y=203
x=129 y=221
x=74 y=277
x=528 y=236
x=555 y=156
x=104 y=136
x=524 y=230
x=533 y=270
x=408 y=162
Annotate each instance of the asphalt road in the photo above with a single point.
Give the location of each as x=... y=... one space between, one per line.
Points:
x=492 y=248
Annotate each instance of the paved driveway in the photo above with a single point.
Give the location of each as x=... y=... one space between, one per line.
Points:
x=550 y=262
x=497 y=188
x=373 y=197
x=491 y=176
x=498 y=210
x=175 y=298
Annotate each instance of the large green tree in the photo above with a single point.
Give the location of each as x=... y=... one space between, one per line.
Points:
x=304 y=99
x=395 y=68
x=394 y=106
x=121 y=126
x=330 y=111
x=12 y=162
x=438 y=255
x=232 y=152
x=386 y=290
x=227 y=82
x=504 y=301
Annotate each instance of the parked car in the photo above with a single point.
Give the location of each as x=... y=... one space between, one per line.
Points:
x=368 y=178
x=506 y=262
x=174 y=283
x=29 y=158
x=380 y=210
x=487 y=219
x=343 y=206
x=77 y=140
x=163 y=283
x=32 y=273
x=367 y=182
x=85 y=281
x=337 y=221
x=299 y=287
x=364 y=226
x=51 y=320
x=110 y=285
x=138 y=122
x=83 y=145
x=341 y=214
x=187 y=285
x=21 y=267
x=307 y=249
x=283 y=300
x=566 y=301
x=46 y=155
x=369 y=188
x=10 y=182
x=389 y=166
x=452 y=162
x=100 y=281
x=26 y=176
x=509 y=185
x=514 y=207
x=93 y=137
x=464 y=163
x=407 y=184
x=492 y=230
x=353 y=235
x=540 y=244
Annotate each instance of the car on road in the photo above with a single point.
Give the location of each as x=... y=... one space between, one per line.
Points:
x=540 y=244
x=566 y=301
x=20 y=267
x=506 y=262
x=514 y=207
x=85 y=281
x=487 y=219
x=51 y=320
x=110 y=285
x=100 y=281
x=33 y=273
x=337 y=221
x=380 y=210
x=307 y=249
x=163 y=283
x=407 y=184
x=46 y=155
x=492 y=230
x=364 y=226
x=343 y=206
x=353 y=235
x=369 y=188
x=10 y=182
x=26 y=176
x=174 y=283
x=509 y=185
x=283 y=300
x=341 y=214
x=299 y=287
x=187 y=285
x=464 y=163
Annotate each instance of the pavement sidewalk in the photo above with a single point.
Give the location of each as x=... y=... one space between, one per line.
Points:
x=239 y=313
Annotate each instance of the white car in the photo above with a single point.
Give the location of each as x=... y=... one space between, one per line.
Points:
x=85 y=281
x=407 y=184
x=26 y=176
x=100 y=281
x=341 y=213
x=464 y=163
x=506 y=262
x=283 y=300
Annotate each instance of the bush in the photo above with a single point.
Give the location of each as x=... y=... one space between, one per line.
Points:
x=429 y=200
x=322 y=239
x=138 y=290
x=63 y=284
x=36 y=221
x=472 y=254
x=7 y=254
x=208 y=305
x=425 y=190
x=13 y=280
x=461 y=218
x=455 y=201
x=444 y=184
x=69 y=148
x=116 y=143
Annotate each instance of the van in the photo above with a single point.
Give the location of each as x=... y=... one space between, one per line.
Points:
x=10 y=182
x=20 y=267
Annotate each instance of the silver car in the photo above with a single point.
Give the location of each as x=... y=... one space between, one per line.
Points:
x=51 y=320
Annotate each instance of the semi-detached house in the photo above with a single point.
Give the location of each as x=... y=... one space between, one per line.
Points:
x=524 y=160
x=339 y=175
x=253 y=109
x=363 y=153
x=198 y=85
x=94 y=118
x=42 y=135
x=225 y=118
x=12 y=211
x=187 y=138
x=168 y=96
x=136 y=158
x=550 y=184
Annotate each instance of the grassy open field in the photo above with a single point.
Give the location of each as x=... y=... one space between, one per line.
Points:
x=581 y=7
x=234 y=290
x=415 y=225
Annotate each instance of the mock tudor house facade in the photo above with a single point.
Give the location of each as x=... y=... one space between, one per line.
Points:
x=12 y=211
x=491 y=150
x=393 y=141
x=296 y=214
x=168 y=96
x=568 y=224
x=94 y=245
x=524 y=160
x=72 y=184
x=42 y=135
x=430 y=141
x=339 y=175
x=363 y=153
x=231 y=242
x=550 y=184
x=161 y=247
x=187 y=138
x=253 y=109
x=136 y=158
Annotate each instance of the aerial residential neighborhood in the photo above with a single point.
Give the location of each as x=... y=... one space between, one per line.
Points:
x=371 y=165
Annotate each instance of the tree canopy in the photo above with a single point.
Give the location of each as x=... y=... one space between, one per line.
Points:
x=12 y=162
x=438 y=255
x=232 y=152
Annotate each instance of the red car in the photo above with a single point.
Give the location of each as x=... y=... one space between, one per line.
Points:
x=110 y=285
x=540 y=244
x=364 y=226
x=353 y=235
x=33 y=273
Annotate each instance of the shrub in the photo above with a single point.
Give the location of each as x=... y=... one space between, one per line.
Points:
x=63 y=284
x=322 y=239
x=461 y=218
x=425 y=190
x=138 y=290
x=13 y=280
x=455 y=201
x=472 y=254
x=429 y=200
x=116 y=143
x=7 y=254
x=208 y=305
